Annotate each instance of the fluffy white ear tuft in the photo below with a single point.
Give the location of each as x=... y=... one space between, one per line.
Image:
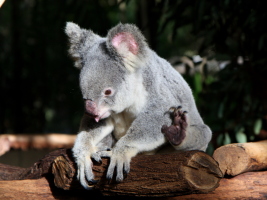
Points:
x=73 y=31
x=81 y=40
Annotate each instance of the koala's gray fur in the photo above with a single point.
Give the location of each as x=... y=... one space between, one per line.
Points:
x=127 y=90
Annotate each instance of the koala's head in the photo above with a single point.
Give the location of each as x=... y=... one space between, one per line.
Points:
x=108 y=66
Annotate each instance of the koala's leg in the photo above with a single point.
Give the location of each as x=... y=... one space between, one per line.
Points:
x=143 y=135
x=87 y=143
x=198 y=137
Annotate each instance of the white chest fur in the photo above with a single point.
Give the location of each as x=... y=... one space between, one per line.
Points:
x=122 y=123
x=136 y=101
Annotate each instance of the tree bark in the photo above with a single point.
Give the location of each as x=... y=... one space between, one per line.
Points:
x=238 y=158
x=154 y=175
x=41 y=168
x=150 y=175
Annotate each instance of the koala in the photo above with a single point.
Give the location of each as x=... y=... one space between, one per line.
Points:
x=127 y=89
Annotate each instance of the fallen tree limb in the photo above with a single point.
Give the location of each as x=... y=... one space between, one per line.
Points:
x=41 y=168
x=250 y=185
x=157 y=175
x=41 y=141
x=238 y=158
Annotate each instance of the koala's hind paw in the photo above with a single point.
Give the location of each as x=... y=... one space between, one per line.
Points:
x=177 y=131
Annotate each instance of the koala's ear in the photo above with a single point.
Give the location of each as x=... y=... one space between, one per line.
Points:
x=80 y=40
x=129 y=44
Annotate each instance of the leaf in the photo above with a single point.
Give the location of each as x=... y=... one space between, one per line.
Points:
x=219 y=139
x=241 y=137
x=210 y=149
x=227 y=139
x=257 y=126
x=49 y=114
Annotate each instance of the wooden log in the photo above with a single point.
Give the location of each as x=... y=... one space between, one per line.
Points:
x=250 y=185
x=154 y=175
x=26 y=189
x=150 y=175
x=39 y=169
x=238 y=158
x=1 y=3
x=37 y=141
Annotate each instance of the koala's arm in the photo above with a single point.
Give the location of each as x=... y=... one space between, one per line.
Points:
x=93 y=137
x=143 y=135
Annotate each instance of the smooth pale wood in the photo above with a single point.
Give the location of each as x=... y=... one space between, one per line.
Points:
x=1 y=2
x=250 y=185
x=238 y=158
x=153 y=175
x=36 y=141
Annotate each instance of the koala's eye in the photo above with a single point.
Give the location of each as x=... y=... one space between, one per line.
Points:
x=108 y=92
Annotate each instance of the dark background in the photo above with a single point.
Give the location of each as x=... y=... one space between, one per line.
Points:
x=39 y=85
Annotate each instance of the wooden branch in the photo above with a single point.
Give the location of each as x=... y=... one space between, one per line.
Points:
x=157 y=175
x=150 y=175
x=41 y=141
x=39 y=183
x=238 y=158
x=250 y=185
x=39 y=169
x=1 y=3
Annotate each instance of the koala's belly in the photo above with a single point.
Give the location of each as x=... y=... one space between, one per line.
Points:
x=122 y=123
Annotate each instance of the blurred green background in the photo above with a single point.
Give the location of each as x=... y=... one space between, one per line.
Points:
x=39 y=85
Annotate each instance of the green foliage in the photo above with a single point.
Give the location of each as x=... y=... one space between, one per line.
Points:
x=235 y=96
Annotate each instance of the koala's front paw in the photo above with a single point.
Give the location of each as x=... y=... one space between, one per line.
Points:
x=120 y=159
x=177 y=131
x=84 y=163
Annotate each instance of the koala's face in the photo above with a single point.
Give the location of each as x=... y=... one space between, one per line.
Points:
x=109 y=67
x=102 y=81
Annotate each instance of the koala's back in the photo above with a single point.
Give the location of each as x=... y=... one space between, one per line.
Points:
x=168 y=88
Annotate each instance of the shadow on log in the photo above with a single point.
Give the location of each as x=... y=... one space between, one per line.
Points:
x=153 y=175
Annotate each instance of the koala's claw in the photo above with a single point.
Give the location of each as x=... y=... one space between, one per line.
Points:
x=83 y=174
x=96 y=157
x=93 y=181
